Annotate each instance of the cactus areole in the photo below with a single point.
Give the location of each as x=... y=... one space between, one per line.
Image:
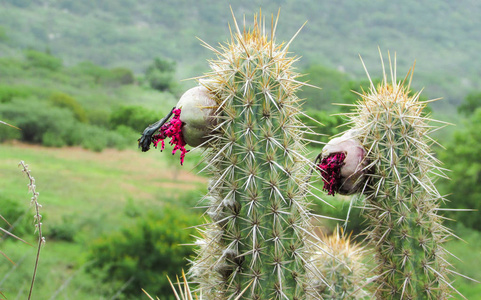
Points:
x=255 y=243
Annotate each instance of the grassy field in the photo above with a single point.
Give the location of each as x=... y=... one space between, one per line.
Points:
x=92 y=193
x=96 y=193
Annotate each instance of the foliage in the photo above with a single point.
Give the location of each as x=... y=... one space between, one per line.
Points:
x=7 y=132
x=56 y=127
x=146 y=252
x=37 y=59
x=8 y=92
x=36 y=120
x=18 y=217
x=331 y=83
x=3 y=34
x=69 y=102
x=133 y=116
x=114 y=33
x=463 y=157
x=470 y=104
x=160 y=75
x=64 y=230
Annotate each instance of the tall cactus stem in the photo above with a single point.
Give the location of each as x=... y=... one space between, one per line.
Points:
x=258 y=236
x=401 y=198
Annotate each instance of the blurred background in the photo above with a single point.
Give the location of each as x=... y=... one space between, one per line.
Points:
x=82 y=79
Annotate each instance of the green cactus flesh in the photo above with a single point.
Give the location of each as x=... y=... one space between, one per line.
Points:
x=256 y=242
x=340 y=262
x=401 y=199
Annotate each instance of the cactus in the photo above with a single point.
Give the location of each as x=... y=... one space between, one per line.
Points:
x=401 y=198
x=256 y=243
x=340 y=262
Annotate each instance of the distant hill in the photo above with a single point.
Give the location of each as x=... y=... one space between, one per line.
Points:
x=444 y=37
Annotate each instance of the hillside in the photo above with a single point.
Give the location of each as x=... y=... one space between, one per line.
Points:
x=443 y=37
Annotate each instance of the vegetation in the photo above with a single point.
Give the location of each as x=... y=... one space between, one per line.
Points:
x=77 y=220
x=145 y=254
x=130 y=34
x=57 y=106
x=463 y=158
x=96 y=236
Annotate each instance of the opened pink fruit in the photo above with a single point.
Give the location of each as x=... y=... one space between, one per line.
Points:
x=192 y=122
x=343 y=164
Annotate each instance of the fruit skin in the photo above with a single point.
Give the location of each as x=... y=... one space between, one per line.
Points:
x=354 y=165
x=258 y=235
x=401 y=199
x=198 y=115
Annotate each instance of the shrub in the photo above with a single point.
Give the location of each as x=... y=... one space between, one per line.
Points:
x=135 y=117
x=8 y=133
x=160 y=75
x=64 y=231
x=56 y=127
x=17 y=215
x=8 y=92
x=42 y=60
x=463 y=157
x=66 y=101
x=118 y=76
x=146 y=252
x=36 y=119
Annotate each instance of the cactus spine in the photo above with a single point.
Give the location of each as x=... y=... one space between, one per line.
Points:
x=401 y=199
x=256 y=242
x=340 y=262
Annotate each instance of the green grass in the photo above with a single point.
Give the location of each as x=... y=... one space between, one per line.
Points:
x=90 y=194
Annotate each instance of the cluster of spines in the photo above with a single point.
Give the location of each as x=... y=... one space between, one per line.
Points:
x=340 y=261
x=258 y=239
x=401 y=199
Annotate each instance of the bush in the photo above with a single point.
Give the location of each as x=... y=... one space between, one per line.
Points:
x=18 y=216
x=98 y=117
x=56 y=127
x=9 y=133
x=42 y=60
x=463 y=157
x=36 y=119
x=470 y=104
x=118 y=76
x=108 y=77
x=145 y=252
x=63 y=231
x=97 y=139
x=160 y=75
x=8 y=92
x=331 y=81
x=66 y=101
x=135 y=117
